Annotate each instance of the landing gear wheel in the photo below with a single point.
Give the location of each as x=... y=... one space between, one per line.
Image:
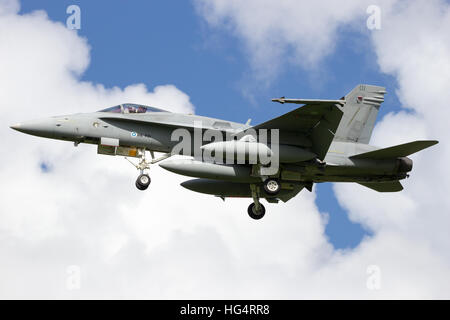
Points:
x=143 y=181
x=256 y=214
x=272 y=186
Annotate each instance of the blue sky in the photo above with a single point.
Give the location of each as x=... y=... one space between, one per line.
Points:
x=167 y=42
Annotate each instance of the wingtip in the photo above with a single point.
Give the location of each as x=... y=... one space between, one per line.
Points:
x=430 y=143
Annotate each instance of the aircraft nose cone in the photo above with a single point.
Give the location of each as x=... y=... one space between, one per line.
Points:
x=41 y=128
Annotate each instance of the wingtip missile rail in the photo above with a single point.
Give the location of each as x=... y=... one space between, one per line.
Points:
x=283 y=100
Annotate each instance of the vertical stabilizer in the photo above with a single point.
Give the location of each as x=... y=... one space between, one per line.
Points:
x=360 y=112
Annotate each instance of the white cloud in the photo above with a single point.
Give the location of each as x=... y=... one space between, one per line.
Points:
x=169 y=242
x=287 y=32
x=8 y=7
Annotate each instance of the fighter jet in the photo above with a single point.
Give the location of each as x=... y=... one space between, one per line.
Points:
x=320 y=141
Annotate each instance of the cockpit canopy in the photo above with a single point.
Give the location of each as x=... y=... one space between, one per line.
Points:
x=131 y=108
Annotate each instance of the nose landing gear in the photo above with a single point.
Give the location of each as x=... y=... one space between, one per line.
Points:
x=143 y=180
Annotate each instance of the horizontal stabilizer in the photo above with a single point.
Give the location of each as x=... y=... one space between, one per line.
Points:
x=392 y=186
x=401 y=150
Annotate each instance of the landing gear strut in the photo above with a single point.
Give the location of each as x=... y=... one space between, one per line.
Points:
x=143 y=181
x=255 y=210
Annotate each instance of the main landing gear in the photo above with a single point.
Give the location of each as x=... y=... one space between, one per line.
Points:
x=272 y=186
x=143 y=180
x=255 y=210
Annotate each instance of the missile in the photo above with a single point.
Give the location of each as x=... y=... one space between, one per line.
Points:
x=283 y=100
x=239 y=150
x=200 y=169
x=280 y=100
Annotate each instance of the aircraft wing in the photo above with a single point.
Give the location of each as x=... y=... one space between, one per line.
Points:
x=292 y=194
x=317 y=121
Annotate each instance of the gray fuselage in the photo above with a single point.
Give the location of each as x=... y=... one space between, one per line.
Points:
x=153 y=131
